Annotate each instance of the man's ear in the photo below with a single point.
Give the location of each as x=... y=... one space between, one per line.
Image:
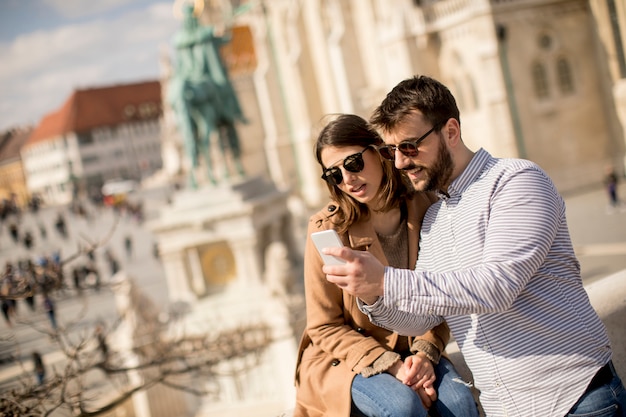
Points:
x=452 y=132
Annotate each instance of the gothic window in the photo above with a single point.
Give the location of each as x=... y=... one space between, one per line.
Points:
x=564 y=74
x=540 y=80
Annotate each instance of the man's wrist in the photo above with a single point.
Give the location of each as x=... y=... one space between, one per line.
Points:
x=370 y=300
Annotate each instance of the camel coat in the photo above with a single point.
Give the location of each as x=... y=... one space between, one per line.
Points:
x=339 y=341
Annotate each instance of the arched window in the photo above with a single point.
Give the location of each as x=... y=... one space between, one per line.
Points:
x=564 y=74
x=540 y=80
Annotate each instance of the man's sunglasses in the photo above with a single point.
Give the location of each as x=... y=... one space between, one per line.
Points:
x=351 y=163
x=408 y=148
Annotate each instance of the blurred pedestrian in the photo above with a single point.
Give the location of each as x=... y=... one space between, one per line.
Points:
x=34 y=203
x=39 y=368
x=610 y=182
x=60 y=225
x=6 y=307
x=114 y=265
x=7 y=287
x=15 y=232
x=30 y=299
x=128 y=245
x=102 y=342
x=42 y=231
x=78 y=278
x=30 y=292
x=28 y=240
x=50 y=309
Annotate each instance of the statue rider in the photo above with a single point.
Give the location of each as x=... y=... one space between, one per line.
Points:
x=203 y=97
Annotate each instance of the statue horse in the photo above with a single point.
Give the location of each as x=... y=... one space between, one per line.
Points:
x=204 y=112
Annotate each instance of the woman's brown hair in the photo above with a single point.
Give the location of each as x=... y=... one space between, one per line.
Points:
x=351 y=130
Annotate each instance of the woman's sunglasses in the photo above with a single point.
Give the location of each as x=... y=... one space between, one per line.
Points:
x=351 y=163
x=407 y=148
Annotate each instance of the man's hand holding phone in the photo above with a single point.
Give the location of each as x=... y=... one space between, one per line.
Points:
x=361 y=274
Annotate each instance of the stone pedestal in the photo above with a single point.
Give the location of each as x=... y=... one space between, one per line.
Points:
x=215 y=238
x=218 y=245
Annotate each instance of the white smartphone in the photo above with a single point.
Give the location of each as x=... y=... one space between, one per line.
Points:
x=328 y=239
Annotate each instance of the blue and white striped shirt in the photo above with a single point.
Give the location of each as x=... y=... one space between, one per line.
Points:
x=497 y=263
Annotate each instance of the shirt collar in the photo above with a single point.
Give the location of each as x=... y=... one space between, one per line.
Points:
x=469 y=174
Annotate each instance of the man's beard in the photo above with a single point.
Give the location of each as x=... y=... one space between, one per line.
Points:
x=437 y=176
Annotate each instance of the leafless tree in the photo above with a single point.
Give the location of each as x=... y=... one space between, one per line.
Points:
x=91 y=365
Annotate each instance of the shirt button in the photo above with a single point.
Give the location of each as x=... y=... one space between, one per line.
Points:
x=335 y=362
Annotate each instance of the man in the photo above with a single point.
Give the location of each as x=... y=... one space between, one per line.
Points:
x=495 y=261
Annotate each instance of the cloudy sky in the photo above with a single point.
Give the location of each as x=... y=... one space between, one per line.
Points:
x=48 y=48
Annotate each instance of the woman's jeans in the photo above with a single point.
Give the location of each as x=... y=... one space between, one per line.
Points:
x=608 y=400
x=383 y=395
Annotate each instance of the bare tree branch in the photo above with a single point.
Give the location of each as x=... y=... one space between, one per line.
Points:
x=161 y=362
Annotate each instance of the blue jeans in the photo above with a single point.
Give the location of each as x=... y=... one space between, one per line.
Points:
x=608 y=400
x=383 y=395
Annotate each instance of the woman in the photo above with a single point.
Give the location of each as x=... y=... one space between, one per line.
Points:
x=346 y=365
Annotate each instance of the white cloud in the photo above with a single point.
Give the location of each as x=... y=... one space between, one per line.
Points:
x=40 y=70
x=80 y=8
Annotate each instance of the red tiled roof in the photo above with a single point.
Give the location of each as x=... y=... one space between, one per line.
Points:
x=101 y=106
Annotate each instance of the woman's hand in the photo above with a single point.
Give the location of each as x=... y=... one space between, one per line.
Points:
x=418 y=373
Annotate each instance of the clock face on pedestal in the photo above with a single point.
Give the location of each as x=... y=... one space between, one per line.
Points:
x=218 y=264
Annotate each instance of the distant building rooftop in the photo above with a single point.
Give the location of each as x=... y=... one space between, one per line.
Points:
x=97 y=107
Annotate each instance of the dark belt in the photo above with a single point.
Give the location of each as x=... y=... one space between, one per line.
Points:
x=602 y=377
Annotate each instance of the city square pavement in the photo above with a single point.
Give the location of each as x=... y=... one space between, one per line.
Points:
x=599 y=236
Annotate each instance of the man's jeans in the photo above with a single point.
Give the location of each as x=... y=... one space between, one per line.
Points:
x=608 y=400
x=384 y=395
